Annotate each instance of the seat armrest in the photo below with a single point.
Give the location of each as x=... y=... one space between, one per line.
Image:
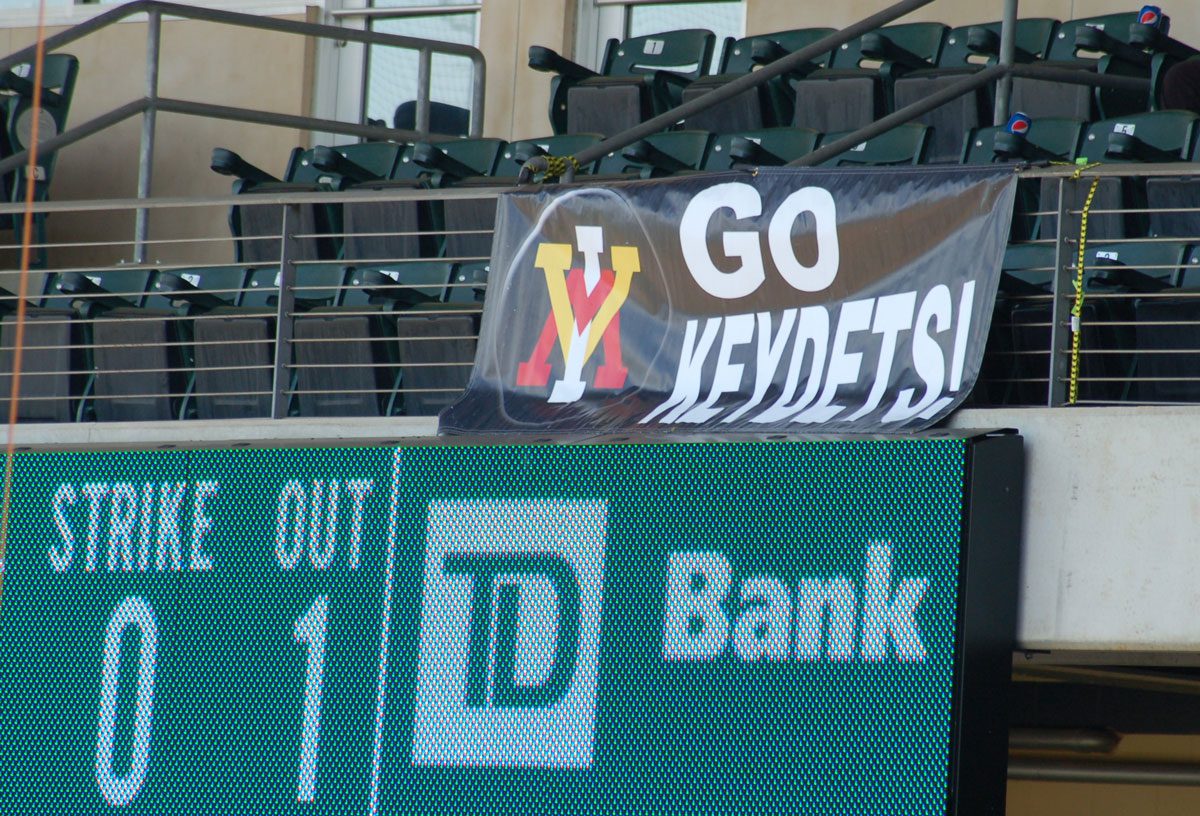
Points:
x=986 y=42
x=881 y=47
x=228 y=163
x=1131 y=148
x=1090 y=38
x=1154 y=39
x=745 y=151
x=431 y=157
x=645 y=153
x=550 y=61
x=330 y=161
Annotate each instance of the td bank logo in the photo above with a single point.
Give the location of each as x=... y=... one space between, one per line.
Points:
x=585 y=304
x=510 y=634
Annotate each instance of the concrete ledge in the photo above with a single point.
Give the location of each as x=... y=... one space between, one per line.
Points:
x=216 y=433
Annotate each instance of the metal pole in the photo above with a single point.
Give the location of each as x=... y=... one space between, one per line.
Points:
x=1060 y=308
x=288 y=251
x=1008 y=38
x=1113 y=773
x=477 y=94
x=424 y=60
x=146 y=149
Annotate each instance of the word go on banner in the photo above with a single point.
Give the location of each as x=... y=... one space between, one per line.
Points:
x=805 y=300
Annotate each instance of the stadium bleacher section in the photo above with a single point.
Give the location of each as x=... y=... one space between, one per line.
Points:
x=385 y=294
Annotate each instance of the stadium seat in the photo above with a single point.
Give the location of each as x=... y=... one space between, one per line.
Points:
x=231 y=348
x=515 y=154
x=658 y=155
x=639 y=78
x=1046 y=140
x=1007 y=377
x=770 y=104
x=1106 y=318
x=1174 y=201
x=1154 y=137
x=905 y=144
x=446 y=119
x=139 y=372
x=256 y=228
x=54 y=361
x=1098 y=44
x=848 y=95
x=59 y=72
x=966 y=50
x=1167 y=328
x=765 y=147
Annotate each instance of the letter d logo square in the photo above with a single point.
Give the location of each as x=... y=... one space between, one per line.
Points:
x=510 y=634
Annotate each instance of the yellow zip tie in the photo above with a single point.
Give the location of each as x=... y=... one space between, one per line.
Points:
x=1077 y=307
x=556 y=166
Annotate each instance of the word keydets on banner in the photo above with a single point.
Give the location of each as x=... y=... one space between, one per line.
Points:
x=832 y=300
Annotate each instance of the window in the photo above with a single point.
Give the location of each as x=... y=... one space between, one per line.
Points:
x=391 y=73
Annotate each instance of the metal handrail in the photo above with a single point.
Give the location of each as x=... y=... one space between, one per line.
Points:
x=151 y=103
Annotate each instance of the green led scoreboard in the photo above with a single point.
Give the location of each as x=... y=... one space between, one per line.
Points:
x=818 y=627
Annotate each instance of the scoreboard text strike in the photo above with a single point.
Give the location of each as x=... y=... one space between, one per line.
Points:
x=688 y=628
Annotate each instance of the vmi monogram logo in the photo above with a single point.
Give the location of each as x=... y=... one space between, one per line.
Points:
x=584 y=310
x=510 y=634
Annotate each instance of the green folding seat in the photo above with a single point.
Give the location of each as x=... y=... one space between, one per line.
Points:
x=1144 y=137
x=256 y=228
x=850 y=94
x=1050 y=139
x=1047 y=140
x=1098 y=44
x=768 y=105
x=639 y=77
x=904 y=144
x=515 y=154
x=658 y=155
x=766 y=147
x=966 y=50
x=59 y=72
x=139 y=369
x=1167 y=338
x=55 y=360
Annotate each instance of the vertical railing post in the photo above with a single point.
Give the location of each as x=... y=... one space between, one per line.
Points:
x=146 y=149
x=288 y=253
x=424 y=66
x=477 y=94
x=1008 y=39
x=1060 y=309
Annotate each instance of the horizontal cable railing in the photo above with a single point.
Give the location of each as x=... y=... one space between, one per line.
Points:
x=373 y=329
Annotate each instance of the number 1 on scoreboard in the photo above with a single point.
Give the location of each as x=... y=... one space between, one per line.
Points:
x=310 y=630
